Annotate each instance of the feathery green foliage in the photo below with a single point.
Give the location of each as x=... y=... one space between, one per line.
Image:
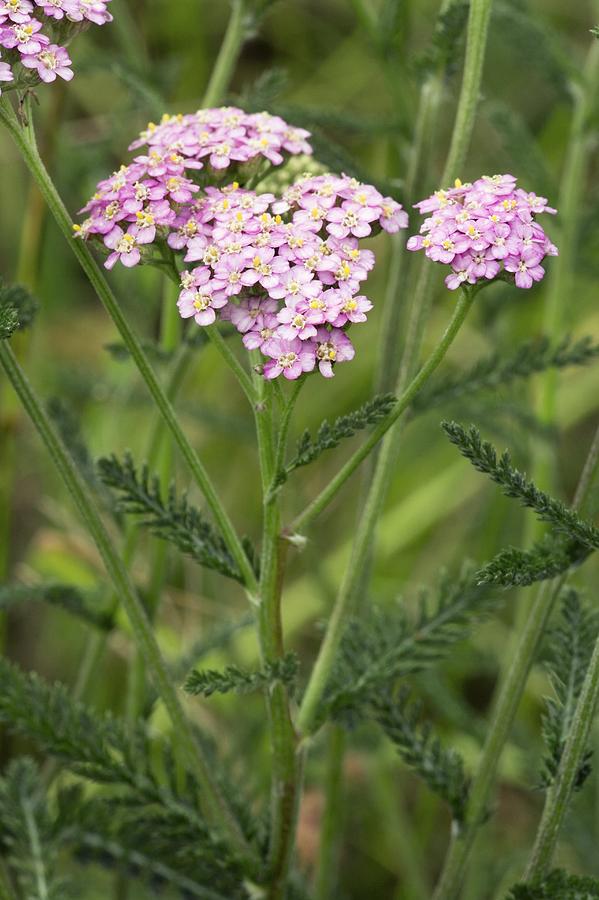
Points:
x=500 y=370
x=570 y=650
x=330 y=435
x=9 y=322
x=387 y=643
x=147 y=785
x=65 y=596
x=18 y=308
x=520 y=146
x=242 y=681
x=551 y=556
x=28 y=838
x=484 y=458
x=442 y=769
x=446 y=45
x=69 y=428
x=558 y=886
x=530 y=38
x=173 y=520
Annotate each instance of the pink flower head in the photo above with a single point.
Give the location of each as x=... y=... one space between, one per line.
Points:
x=482 y=227
x=50 y=62
x=289 y=358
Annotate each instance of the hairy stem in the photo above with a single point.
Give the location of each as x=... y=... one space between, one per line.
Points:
x=25 y=141
x=214 y=804
x=286 y=762
x=507 y=699
x=425 y=129
x=326 y=657
x=231 y=46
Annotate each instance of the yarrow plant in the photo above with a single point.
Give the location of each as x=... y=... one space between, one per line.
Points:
x=286 y=271
x=260 y=249
x=32 y=35
x=484 y=230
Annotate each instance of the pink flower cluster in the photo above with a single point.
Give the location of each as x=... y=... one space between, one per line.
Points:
x=27 y=31
x=481 y=227
x=286 y=271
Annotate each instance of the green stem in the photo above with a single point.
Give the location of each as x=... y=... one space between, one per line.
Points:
x=425 y=129
x=281 y=449
x=170 y=336
x=286 y=762
x=235 y=35
x=337 y=482
x=26 y=144
x=326 y=657
x=509 y=694
x=478 y=26
x=244 y=380
x=214 y=804
x=330 y=832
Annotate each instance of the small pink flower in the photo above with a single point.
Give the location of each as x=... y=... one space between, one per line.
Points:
x=350 y=218
x=125 y=246
x=352 y=309
x=18 y=11
x=50 y=62
x=294 y=324
x=332 y=347
x=24 y=37
x=198 y=299
x=295 y=284
x=393 y=216
x=56 y=9
x=93 y=10
x=249 y=311
x=526 y=269
x=291 y=358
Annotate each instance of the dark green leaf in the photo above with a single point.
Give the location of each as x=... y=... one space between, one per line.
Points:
x=514 y=484
x=242 y=681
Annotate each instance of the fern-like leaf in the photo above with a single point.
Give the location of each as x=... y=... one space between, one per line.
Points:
x=242 y=681
x=558 y=886
x=390 y=643
x=514 y=484
x=64 y=596
x=500 y=370
x=570 y=649
x=330 y=435
x=551 y=556
x=28 y=839
x=442 y=769
x=172 y=520
x=17 y=309
x=147 y=788
x=9 y=322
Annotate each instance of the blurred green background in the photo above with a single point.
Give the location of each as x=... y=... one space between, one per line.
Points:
x=316 y=63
